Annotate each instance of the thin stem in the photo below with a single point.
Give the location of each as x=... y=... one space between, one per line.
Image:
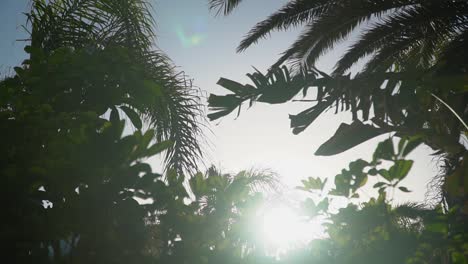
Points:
x=451 y=109
x=305 y=100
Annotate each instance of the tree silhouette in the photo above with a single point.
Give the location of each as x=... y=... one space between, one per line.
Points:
x=70 y=173
x=126 y=27
x=403 y=32
x=413 y=83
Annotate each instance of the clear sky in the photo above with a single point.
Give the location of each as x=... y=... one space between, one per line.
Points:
x=203 y=46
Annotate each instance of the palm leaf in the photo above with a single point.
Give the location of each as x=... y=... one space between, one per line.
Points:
x=172 y=106
x=223 y=6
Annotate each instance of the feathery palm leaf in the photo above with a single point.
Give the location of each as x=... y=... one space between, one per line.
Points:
x=217 y=191
x=164 y=97
x=223 y=6
x=396 y=31
x=292 y=14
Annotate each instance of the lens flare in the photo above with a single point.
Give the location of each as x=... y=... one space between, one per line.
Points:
x=193 y=35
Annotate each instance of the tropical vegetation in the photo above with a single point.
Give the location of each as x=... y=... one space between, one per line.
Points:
x=412 y=85
x=94 y=100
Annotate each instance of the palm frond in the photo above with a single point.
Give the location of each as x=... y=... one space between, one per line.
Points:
x=223 y=6
x=258 y=180
x=334 y=26
x=395 y=34
x=277 y=86
x=292 y=14
x=411 y=210
x=126 y=26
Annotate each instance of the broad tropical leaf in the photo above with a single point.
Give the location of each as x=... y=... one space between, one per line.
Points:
x=348 y=136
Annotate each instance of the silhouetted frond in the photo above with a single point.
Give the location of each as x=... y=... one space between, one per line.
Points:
x=223 y=6
x=392 y=31
x=292 y=14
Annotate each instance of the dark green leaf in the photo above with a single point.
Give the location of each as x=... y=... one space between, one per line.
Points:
x=384 y=150
x=384 y=173
x=413 y=143
x=379 y=184
x=400 y=169
x=222 y=105
x=114 y=116
x=236 y=87
x=372 y=172
x=134 y=117
x=158 y=148
x=302 y=120
x=404 y=189
x=348 y=136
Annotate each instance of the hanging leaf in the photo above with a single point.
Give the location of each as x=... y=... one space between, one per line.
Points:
x=134 y=117
x=236 y=87
x=348 y=136
x=302 y=120
x=404 y=189
x=222 y=105
x=379 y=184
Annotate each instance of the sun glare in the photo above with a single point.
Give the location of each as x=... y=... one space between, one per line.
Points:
x=282 y=228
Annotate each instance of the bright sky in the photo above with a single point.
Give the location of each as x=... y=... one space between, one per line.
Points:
x=204 y=47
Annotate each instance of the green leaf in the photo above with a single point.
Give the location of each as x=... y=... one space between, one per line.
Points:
x=400 y=169
x=413 y=143
x=313 y=184
x=404 y=189
x=384 y=173
x=323 y=205
x=158 y=147
x=198 y=184
x=146 y=139
x=379 y=184
x=437 y=227
x=141 y=167
x=384 y=150
x=134 y=117
x=357 y=166
x=372 y=172
x=339 y=192
x=348 y=136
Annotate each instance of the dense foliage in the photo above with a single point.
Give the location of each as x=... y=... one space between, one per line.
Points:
x=69 y=170
x=94 y=100
x=413 y=84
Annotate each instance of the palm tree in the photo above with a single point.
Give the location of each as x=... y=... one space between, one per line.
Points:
x=154 y=90
x=414 y=48
x=217 y=220
x=415 y=66
x=403 y=31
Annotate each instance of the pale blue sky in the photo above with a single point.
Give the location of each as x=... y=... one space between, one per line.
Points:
x=260 y=137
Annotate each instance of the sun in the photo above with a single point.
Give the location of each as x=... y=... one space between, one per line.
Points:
x=282 y=228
